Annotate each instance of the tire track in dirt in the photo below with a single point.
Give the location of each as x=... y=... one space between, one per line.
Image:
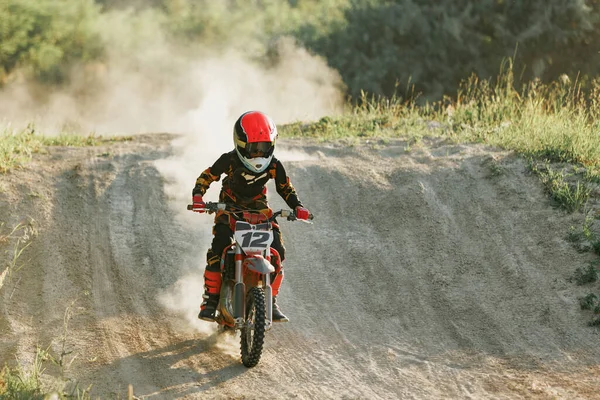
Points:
x=425 y=275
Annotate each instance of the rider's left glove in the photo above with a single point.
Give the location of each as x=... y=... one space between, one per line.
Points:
x=302 y=213
x=198 y=205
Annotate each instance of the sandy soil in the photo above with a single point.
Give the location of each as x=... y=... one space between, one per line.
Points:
x=439 y=272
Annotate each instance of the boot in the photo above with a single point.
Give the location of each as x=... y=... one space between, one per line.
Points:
x=208 y=308
x=278 y=316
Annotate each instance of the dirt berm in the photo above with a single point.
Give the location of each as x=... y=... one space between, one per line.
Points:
x=437 y=271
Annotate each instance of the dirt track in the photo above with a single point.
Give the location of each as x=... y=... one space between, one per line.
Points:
x=441 y=272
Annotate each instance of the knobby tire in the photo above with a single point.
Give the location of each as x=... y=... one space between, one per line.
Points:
x=252 y=339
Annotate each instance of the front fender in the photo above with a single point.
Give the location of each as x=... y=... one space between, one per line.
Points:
x=259 y=264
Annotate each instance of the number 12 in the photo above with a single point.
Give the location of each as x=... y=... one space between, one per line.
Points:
x=260 y=239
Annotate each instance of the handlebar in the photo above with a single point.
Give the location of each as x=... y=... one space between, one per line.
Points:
x=212 y=207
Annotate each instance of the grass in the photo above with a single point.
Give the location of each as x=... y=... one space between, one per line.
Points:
x=496 y=169
x=32 y=383
x=569 y=196
x=21 y=383
x=586 y=234
x=549 y=124
x=585 y=275
x=17 y=147
x=20 y=236
x=554 y=122
x=590 y=302
x=555 y=126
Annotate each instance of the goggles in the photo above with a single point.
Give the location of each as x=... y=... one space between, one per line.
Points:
x=256 y=149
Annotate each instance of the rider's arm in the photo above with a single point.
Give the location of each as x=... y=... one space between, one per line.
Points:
x=284 y=186
x=211 y=175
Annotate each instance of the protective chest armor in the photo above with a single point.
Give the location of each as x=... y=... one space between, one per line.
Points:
x=245 y=183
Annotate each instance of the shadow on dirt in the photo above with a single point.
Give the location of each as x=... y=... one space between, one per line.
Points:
x=182 y=365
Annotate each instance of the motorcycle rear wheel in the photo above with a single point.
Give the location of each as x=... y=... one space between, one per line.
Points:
x=253 y=332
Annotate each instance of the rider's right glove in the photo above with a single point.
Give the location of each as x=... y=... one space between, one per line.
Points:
x=198 y=205
x=302 y=213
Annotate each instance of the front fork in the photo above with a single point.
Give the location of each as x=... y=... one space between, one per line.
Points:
x=239 y=290
x=268 y=302
x=239 y=294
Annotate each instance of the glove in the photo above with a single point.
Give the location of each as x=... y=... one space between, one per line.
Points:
x=198 y=204
x=302 y=213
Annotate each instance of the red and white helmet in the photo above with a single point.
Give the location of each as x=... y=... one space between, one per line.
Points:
x=254 y=135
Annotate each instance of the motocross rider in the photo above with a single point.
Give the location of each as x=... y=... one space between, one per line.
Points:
x=248 y=168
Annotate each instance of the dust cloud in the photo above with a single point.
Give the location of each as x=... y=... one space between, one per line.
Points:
x=170 y=92
x=300 y=87
x=148 y=85
x=229 y=87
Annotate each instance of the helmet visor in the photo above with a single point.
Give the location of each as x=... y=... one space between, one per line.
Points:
x=258 y=149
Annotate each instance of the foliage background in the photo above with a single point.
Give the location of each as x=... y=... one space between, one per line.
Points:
x=378 y=46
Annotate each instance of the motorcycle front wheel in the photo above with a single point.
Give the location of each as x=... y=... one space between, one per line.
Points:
x=253 y=332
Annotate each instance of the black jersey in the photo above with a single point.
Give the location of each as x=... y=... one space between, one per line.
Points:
x=242 y=185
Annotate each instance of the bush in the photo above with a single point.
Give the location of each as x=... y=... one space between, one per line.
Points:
x=434 y=44
x=378 y=46
x=47 y=36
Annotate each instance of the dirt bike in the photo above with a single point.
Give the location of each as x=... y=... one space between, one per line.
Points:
x=246 y=300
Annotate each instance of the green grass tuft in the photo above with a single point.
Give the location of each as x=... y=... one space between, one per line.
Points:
x=596 y=246
x=20 y=383
x=18 y=147
x=585 y=275
x=32 y=383
x=588 y=302
x=570 y=196
x=595 y=322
